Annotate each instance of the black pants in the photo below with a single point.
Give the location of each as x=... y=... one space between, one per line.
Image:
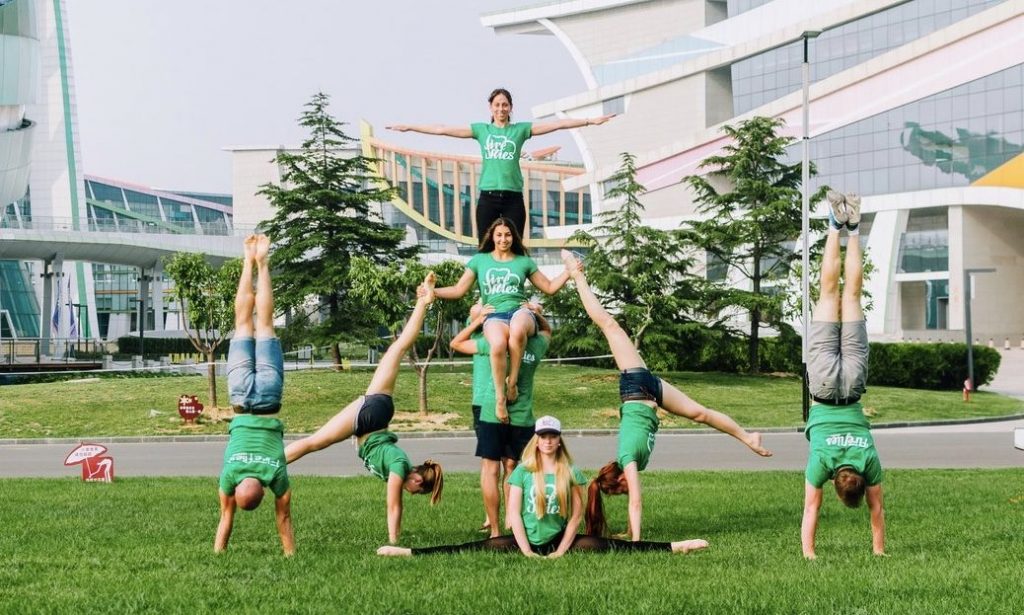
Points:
x=580 y=543
x=494 y=204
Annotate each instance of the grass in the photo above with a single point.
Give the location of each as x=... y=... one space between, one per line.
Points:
x=581 y=397
x=146 y=545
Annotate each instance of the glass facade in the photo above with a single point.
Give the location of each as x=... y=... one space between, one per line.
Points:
x=121 y=209
x=946 y=140
x=18 y=306
x=777 y=72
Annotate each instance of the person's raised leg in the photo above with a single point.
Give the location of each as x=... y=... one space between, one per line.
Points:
x=387 y=369
x=341 y=427
x=626 y=356
x=264 y=290
x=244 y=297
x=496 y=334
x=853 y=272
x=679 y=403
x=827 y=308
x=522 y=326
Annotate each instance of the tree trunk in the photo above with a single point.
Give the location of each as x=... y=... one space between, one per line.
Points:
x=421 y=372
x=211 y=378
x=754 y=341
x=336 y=355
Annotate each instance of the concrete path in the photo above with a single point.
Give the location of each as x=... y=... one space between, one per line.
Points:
x=1009 y=380
x=987 y=445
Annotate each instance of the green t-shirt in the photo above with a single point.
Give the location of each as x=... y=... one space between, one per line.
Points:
x=637 y=425
x=482 y=379
x=520 y=413
x=502 y=283
x=255 y=449
x=382 y=457
x=542 y=530
x=840 y=436
x=501 y=149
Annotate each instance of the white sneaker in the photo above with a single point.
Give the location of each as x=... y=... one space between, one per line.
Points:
x=837 y=214
x=852 y=210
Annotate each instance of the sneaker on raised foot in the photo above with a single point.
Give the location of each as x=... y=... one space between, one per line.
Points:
x=837 y=215
x=853 y=211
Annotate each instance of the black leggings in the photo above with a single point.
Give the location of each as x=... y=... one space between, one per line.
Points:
x=494 y=204
x=580 y=543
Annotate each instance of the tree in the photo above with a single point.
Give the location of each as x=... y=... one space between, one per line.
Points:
x=385 y=294
x=207 y=300
x=324 y=217
x=750 y=225
x=641 y=274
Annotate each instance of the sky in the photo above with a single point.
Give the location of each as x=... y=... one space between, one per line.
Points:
x=163 y=87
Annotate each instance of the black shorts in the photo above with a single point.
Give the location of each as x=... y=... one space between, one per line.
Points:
x=375 y=414
x=497 y=441
x=638 y=383
x=494 y=204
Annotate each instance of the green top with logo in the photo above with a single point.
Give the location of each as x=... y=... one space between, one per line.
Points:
x=840 y=436
x=255 y=449
x=482 y=378
x=541 y=530
x=520 y=413
x=502 y=283
x=501 y=149
x=382 y=457
x=638 y=423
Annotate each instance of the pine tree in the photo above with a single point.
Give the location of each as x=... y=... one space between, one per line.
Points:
x=326 y=214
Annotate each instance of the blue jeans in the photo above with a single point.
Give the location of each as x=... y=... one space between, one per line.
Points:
x=638 y=383
x=255 y=375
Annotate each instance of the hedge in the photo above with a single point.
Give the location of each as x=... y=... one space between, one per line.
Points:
x=161 y=346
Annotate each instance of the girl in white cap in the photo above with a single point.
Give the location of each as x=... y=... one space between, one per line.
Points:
x=545 y=508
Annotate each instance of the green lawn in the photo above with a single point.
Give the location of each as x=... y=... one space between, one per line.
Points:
x=146 y=545
x=581 y=397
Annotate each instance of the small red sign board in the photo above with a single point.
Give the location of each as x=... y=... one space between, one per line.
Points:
x=96 y=467
x=189 y=407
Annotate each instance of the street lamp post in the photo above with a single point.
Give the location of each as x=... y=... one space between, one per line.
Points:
x=805 y=210
x=968 y=295
x=142 y=328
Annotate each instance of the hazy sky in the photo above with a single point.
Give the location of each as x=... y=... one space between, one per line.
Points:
x=164 y=86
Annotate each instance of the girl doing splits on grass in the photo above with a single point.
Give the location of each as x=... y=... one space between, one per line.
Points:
x=545 y=508
x=367 y=419
x=642 y=393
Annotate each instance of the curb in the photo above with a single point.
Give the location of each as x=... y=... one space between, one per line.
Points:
x=470 y=434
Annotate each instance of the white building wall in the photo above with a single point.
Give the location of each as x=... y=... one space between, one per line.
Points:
x=251 y=168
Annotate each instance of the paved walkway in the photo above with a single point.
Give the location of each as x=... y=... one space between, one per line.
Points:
x=985 y=445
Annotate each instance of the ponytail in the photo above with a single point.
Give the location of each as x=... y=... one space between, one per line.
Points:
x=433 y=479
x=606 y=481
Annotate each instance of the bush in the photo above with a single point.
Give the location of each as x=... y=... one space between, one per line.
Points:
x=161 y=346
x=929 y=366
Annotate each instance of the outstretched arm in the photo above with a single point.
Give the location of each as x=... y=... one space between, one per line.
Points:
x=227 y=520
x=459 y=290
x=461 y=132
x=462 y=342
x=546 y=127
x=874 y=497
x=573 y=526
x=549 y=286
x=809 y=526
x=283 y=516
x=394 y=507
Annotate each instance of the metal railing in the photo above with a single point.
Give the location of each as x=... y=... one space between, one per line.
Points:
x=29 y=350
x=50 y=223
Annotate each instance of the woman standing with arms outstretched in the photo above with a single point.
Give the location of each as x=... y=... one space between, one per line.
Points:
x=501 y=144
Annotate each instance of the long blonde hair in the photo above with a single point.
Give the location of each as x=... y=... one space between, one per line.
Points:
x=532 y=462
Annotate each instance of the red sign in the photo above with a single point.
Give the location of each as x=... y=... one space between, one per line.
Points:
x=96 y=467
x=189 y=407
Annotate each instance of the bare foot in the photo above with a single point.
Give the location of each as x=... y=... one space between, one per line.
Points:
x=262 y=248
x=754 y=442
x=249 y=247
x=511 y=391
x=428 y=287
x=572 y=265
x=685 y=546
x=393 y=551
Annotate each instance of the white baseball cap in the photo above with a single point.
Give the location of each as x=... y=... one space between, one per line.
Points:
x=548 y=424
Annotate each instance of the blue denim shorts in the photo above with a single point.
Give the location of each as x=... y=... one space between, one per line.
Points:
x=255 y=375
x=638 y=383
x=506 y=317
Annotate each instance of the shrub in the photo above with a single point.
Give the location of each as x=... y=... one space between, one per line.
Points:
x=161 y=346
x=929 y=366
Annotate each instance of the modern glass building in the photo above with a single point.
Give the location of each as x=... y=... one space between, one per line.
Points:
x=918 y=105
